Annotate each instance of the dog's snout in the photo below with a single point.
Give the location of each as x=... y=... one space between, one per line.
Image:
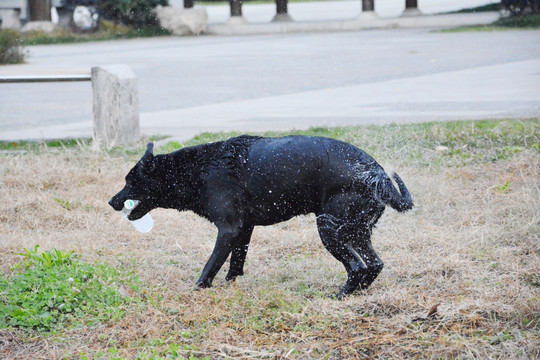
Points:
x=115 y=204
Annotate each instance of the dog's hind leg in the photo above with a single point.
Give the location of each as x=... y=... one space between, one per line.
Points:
x=334 y=235
x=345 y=224
x=373 y=262
x=361 y=244
x=238 y=255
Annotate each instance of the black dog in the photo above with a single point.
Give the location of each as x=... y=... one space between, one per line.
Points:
x=247 y=181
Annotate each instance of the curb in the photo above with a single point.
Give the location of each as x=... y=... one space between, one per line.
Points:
x=360 y=23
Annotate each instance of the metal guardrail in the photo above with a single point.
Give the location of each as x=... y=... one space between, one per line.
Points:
x=115 y=101
x=44 y=78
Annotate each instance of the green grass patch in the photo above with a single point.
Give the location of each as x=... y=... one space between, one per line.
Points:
x=11 y=47
x=112 y=32
x=36 y=146
x=525 y=22
x=482 y=8
x=531 y=21
x=424 y=144
x=158 y=349
x=280 y=309
x=54 y=289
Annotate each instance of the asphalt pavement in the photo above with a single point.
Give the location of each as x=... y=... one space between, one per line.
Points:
x=286 y=81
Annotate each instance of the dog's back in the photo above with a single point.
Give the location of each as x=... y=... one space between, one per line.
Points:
x=294 y=175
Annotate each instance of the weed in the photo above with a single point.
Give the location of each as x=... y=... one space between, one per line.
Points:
x=53 y=290
x=500 y=337
x=70 y=205
x=66 y=204
x=158 y=349
x=46 y=259
x=504 y=188
x=533 y=279
x=11 y=47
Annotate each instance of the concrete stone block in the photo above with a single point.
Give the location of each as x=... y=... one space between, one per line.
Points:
x=282 y=18
x=236 y=21
x=411 y=12
x=182 y=21
x=115 y=106
x=45 y=26
x=10 y=19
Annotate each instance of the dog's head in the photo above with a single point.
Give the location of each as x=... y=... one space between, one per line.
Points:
x=141 y=184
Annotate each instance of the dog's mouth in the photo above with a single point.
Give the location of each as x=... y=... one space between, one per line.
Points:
x=137 y=213
x=142 y=208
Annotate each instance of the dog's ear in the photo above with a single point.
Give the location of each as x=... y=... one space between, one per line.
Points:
x=148 y=162
x=150 y=148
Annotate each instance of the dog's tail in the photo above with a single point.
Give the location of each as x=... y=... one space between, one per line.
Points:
x=377 y=181
x=387 y=193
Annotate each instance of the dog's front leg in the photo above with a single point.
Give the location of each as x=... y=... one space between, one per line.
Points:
x=225 y=240
x=238 y=255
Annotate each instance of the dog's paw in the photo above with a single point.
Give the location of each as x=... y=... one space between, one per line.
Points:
x=233 y=276
x=202 y=285
x=339 y=296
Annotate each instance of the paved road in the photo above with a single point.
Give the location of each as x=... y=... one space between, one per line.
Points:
x=208 y=83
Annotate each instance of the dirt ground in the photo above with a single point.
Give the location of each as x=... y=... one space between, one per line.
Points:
x=471 y=245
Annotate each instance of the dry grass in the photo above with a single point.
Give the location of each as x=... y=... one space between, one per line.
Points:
x=471 y=245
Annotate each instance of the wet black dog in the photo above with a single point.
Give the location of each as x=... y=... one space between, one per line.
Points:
x=248 y=181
